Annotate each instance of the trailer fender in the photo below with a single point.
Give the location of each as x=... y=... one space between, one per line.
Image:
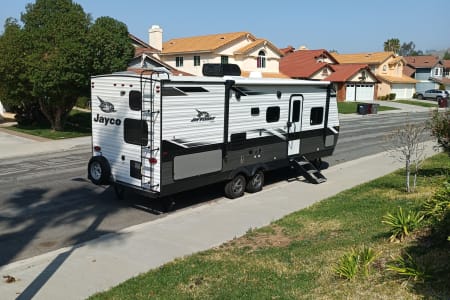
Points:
x=99 y=170
x=244 y=171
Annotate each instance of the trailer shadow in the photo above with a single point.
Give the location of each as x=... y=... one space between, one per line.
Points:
x=203 y=195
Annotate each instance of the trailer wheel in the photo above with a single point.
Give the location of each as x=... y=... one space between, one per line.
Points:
x=99 y=170
x=256 y=182
x=235 y=187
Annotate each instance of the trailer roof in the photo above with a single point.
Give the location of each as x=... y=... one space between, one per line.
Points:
x=237 y=79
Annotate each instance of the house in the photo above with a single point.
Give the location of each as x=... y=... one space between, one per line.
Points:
x=145 y=58
x=428 y=70
x=388 y=68
x=307 y=64
x=352 y=81
x=253 y=55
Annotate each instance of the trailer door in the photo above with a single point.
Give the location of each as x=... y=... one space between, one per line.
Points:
x=294 y=124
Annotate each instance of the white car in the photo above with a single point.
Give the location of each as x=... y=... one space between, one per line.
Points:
x=434 y=94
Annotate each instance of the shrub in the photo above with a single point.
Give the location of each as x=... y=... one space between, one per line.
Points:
x=347 y=266
x=402 y=224
x=353 y=262
x=440 y=128
x=439 y=204
x=408 y=267
x=392 y=96
x=83 y=102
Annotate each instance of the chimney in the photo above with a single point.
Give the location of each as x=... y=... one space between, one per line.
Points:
x=155 y=37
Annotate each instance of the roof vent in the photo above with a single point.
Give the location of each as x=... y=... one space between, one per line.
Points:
x=221 y=70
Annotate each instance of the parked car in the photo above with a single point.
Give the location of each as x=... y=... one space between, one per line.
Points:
x=433 y=94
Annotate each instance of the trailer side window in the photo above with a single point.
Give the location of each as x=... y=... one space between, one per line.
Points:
x=316 y=116
x=272 y=114
x=135 y=132
x=135 y=100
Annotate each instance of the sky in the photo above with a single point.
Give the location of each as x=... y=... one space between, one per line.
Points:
x=348 y=26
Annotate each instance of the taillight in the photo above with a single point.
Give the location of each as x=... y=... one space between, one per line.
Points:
x=97 y=148
x=153 y=160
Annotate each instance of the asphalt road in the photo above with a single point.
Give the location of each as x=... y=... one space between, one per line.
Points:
x=47 y=203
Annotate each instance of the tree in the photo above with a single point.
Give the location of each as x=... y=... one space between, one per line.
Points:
x=408 y=49
x=446 y=55
x=110 y=46
x=57 y=55
x=15 y=87
x=407 y=140
x=392 y=44
x=47 y=63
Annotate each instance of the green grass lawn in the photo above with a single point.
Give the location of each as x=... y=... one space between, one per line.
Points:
x=78 y=124
x=293 y=258
x=350 y=107
x=418 y=103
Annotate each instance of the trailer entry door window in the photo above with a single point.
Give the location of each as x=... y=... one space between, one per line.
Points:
x=135 y=132
x=316 y=116
x=273 y=114
x=296 y=111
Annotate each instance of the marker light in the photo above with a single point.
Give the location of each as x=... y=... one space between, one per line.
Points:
x=97 y=148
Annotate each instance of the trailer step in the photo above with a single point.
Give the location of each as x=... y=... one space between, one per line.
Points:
x=308 y=170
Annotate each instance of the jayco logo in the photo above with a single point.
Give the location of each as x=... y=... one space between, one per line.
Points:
x=202 y=116
x=106 y=107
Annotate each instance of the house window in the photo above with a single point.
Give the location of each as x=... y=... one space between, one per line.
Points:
x=196 y=60
x=325 y=72
x=179 y=61
x=224 y=59
x=316 y=116
x=384 y=68
x=261 y=62
x=272 y=114
x=437 y=71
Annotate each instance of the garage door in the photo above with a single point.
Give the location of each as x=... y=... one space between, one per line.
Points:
x=364 y=92
x=359 y=92
x=350 y=94
x=403 y=91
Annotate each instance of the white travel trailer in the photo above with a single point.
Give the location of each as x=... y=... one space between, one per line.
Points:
x=162 y=134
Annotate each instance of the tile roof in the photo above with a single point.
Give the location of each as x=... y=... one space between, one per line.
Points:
x=303 y=63
x=139 y=43
x=370 y=58
x=255 y=44
x=205 y=43
x=446 y=63
x=423 y=61
x=343 y=73
x=408 y=71
x=288 y=50
x=397 y=79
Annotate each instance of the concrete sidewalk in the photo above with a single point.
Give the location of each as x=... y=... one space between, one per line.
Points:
x=80 y=271
x=14 y=144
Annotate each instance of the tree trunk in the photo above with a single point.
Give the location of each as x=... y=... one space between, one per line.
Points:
x=408 y=173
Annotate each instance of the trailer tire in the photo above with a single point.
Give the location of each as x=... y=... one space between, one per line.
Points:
x=235 y=188
x=99 y=170
x=256 y=182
